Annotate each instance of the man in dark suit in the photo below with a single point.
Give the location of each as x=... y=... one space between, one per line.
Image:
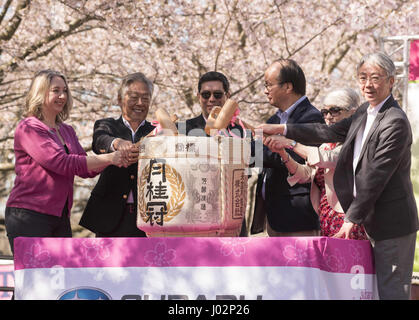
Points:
x=288 y=209
x=213 y=90
x=372 y=176
x=111 y=210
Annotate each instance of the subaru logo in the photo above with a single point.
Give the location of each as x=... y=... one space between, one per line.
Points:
x=85 y=293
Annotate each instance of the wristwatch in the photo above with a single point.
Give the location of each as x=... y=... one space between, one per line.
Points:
x=293 y=144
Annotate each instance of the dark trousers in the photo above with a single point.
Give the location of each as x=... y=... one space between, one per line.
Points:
x=28 y=223
x=127 y=226
x=394 y=259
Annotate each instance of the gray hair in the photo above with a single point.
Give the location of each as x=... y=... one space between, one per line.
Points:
x=134 y=77
x=381 y=60
x=344 y=98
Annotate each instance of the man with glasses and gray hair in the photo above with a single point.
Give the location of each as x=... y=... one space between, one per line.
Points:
x=372 y=176
x=111 y=210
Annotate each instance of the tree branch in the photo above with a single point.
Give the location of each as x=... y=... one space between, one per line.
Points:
x=224 y=34
x=284 y=31
x=4 y=167
x=315 y=36
x=72 y=28
x=14 y=22
x=4 y=10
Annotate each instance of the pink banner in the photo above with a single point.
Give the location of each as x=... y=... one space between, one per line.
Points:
x=414 y=61
x=327 y=254
x=6 y=279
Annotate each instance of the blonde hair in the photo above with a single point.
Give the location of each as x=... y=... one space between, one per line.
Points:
x=38 y=92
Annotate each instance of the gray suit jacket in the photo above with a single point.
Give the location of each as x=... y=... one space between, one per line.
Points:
x=384 y=201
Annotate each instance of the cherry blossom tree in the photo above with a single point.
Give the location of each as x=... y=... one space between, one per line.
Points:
x=94 y=43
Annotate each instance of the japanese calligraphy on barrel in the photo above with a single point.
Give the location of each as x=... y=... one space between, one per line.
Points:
x=192 y=186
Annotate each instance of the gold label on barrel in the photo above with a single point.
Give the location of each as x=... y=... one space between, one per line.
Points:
x=156 y=203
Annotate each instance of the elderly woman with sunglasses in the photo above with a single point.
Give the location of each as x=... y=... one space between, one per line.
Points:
x=321 y=163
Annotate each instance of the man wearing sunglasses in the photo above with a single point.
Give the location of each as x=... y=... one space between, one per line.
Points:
x=213 y=91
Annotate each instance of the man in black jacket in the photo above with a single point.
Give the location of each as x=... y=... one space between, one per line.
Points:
x=288 y=209
x=213 y=90
x=111 y=210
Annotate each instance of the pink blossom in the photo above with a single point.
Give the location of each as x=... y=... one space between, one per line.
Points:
x=161 y=256
x=36 y=257
x=97 y=248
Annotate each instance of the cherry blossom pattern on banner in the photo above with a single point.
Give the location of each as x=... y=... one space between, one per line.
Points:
x=36 y=257
x=335 y=261
x=297 y=253
x=160 y=256
x=97 y=248
x=357 y=252
x=233 y=246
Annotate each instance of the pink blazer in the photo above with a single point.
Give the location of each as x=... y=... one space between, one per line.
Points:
x=44 y=171
x=319 y=158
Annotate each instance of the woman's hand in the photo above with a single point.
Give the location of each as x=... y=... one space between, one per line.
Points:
x=275 y=143
x=345 y=230
x=129 y=150
x=119 y=158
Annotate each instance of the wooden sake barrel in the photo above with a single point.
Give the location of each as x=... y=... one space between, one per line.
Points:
x=192 y=186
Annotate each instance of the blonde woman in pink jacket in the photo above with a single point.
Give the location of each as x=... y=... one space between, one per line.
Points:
x=48 y=156
x=320 y=164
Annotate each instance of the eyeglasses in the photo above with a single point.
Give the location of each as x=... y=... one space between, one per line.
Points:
x=334 y=111
x=373 y=79
x=133 y=98
x=207 y=94
x=269 y=86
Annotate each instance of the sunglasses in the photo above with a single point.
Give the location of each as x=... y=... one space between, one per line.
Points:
x=207 y=94
x=334 y=111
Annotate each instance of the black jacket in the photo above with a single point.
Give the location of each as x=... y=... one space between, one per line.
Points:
x=195 y=127
x=287 y=208
x=108 y=198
